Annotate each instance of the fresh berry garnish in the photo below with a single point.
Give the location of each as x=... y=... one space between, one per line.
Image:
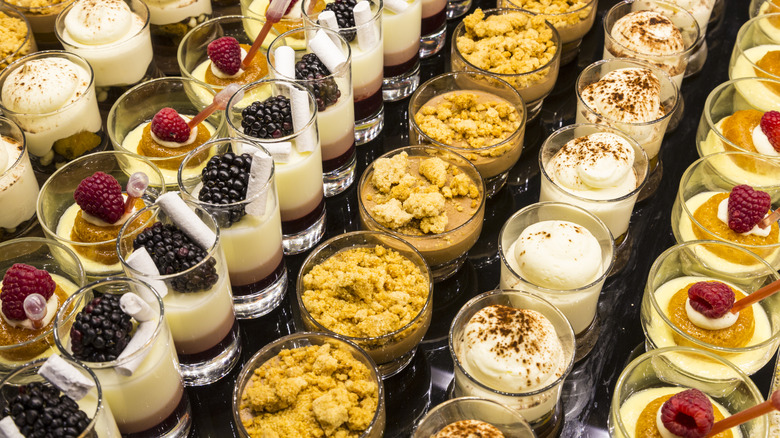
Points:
x=174 y=252
x=325 y=91
x=270 y=118
x=747 y=207
x=344 y=16
x=770 y=126
x=688 y=414
x=225 y=180
x=40 y=410
x=101 y=330
x=101 y=196
x=225 y=53
x=168 y=125
x=712 y=299
x=19 y=281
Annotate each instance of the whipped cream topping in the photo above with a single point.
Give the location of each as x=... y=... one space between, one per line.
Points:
x=648 y=33
x=723 y=216
x=558 y=255
x=762 y=144
x=626 y=95
x=99 y=22
x=222 y=75
x=51 y=310
x=44 y=85
x=700 y=320
x=173 y=144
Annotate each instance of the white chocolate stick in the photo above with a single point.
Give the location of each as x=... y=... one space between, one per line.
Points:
x=299 y=105
x=280 y=151
x=136 y=307
x=259 y=172
x=327 y=19
x=284 y=62
x=143 y=333
x=66 y=377
x=187 y=220
x=329 y=53
x=396 y=6
x=366 y=32
x=8 y=429
x=141 y=261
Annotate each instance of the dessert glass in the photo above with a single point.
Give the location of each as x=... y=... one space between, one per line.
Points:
x=202 y=323
x=57 y=209
x=578 y=305
x=541 y=407
x=443 y=252
x=336 y=122
x=401 y=41
x=151 y=400
x=391 y=352
x=433 y=27
x=493 y=162
x=28 y=42
x=256 y=9
x=299 y=178
x=661 y=369
x=756 y=38
x=505 y=419
x=457 y=8
x=170 y=21
x=57 y=259
x=533 y=85
x=252 y=245
x=702 y=12
x=41 y=18
x=298 y=340
x=18 y=186
x=760 y=7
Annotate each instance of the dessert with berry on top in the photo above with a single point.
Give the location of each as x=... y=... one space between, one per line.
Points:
x=224 y=67
x=747 y=130
x=292 y=19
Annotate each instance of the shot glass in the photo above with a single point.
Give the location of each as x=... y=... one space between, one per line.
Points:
x=21 y=345
x=57 y=210
x=298 y=175
x=758 y=40
x=540 y=406
x=169 y=24
x=394 y=350
x=508 y=421
x=335 y=113
x=41 y=16
x=401 y=40
x=27 y=44
x=144 y=388
x=493 y=157
x=256 y=9
x=579 y=305
x=433 y=27
x=18 y=186
x=252 y=243
x=457 y=8
x=198 y=302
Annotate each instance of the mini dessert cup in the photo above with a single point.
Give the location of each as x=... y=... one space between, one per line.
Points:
x=41 y=16
x=301 y=340
x=433 y=28
x=756 y=40
x=494 y=161
x=335 y=119
x=57 y=210
x=256 y=9
x=443 y=252
x=392 y=352
x=532 y=85
x=253 y=244
x=298 y=176
x=578 y=305
x=760 y=7
x=18 y=186
x=508 y=421
x=27 y=44
x=170 y=21
x=66 y=270
x=143 y=389
x=457 y=8
x=75 y=128
x=401 y=39
x=660 y=372
x=702 y=12
x=540 y=407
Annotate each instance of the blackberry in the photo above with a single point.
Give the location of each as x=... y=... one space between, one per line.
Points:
x=344 y=16
x=172 y=252
x=101 y=330
x=270 y=118
x=40 y=411
x=225 y=179
x=325 y=91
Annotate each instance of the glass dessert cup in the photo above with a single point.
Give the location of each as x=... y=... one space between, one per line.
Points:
x=760 y=7
x=150 y=401
x=540 y=407
x=571 y=24
x=719 y=173
x=650 y=134
x=702 y=12
x=134 y=110
x=18 y=186
x=393 y=351
x=57 y=210
x=27 y=45
x=755 y=39
x=508 y=421
x=66 y=270
x=532 y=85
x=457 y=8
x=256 y=9
x=443 y=252
x=661 y=371
x=401 y=42
x=578 y=305
x=202 y=322
x=170 y=21
x=299 y=177
x=41 y=19
x=434 y=27
x=253 y=244
x=336 y=121
x=301 y=340
x=493 y=162
x=64 y=134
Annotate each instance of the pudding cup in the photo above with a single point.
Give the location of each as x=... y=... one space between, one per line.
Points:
x=393 y=351
x=57 y=210
x=493 y=162
x=433 y=29
x=151 y=400
x=755 y=39
x=298 y=179
x=300 y=340
x=401 y=42
x=170 y=21
x=27 y=45
x=202 y=322
x=658 y=372
x=532 y=85
x=508 y=421
x=58 y=260
x=457 y=8
x=256 y=9
x=578 y=305
x=18 y=186
x=540 y=407
x=41 y=19
x=253 y=244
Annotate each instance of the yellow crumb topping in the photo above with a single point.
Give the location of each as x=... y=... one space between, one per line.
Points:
x=12 y=34
x=557 y=12
x=34 y=4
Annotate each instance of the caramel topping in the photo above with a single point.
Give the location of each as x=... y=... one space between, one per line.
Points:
x=257 y=70
x=150 y=148
x=769 y=67
x=646 y=426
x=86 y=232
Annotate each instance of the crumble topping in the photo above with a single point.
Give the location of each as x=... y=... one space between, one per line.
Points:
x=13 y=31
x=35 y=4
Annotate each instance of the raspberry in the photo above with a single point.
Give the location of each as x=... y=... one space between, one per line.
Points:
x=688 y=414
x=20 y=281
x=712 y=299
x=770 y=126
x=101 y=196
x=168 y=125
x=747 y=207
x=225 y=53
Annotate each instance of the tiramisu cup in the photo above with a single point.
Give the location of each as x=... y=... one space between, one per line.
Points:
x=757 y=49
x=18 y=186
x=170 y=21
x=401 y=24
x=19 y=39
x=41 y=14
x=465 y=417
x=434 y=27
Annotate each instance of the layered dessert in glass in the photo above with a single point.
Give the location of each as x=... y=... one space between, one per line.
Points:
x=401 y=24
x=433 y=28
x=17 y=39
x=18 y=186
x=472 y=416
x=41 y=14
x=170 y=21
x=757 y=49
x=292 y=19
x=701 y=10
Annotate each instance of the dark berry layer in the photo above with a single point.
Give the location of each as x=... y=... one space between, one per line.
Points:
x=101 y=330
x=40 y=411
x=270 y=118
x=225 y=179
x=325 y=91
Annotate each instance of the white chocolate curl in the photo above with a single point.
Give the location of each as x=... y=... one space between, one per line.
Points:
x=327 y=19
x=366 y=34
x=143 y=333
x=141 y=261
x=259 y=172
x=187 y=220
x=280 y=151
x=284 y=62
x=329 y=53
x=8 y=429
x=136 y=307
x=396 y=6
x=299 y=106
x=66 y=377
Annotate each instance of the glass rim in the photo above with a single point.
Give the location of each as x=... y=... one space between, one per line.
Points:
x=513 y=413
x=676 y=9
x=344 y=68
x=587 y=4
x=65 y=11
x=739 y=51
x=755 y=8
x=22 y=156
x=42 y=10
x=374 y=18
x=6 y=8
x=251 y=13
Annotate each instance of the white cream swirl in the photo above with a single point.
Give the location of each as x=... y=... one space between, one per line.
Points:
x=626 y=95
x=707 y=323
x=762 y=144
x=648 y=33
x=44 y=85
x=100 y=22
